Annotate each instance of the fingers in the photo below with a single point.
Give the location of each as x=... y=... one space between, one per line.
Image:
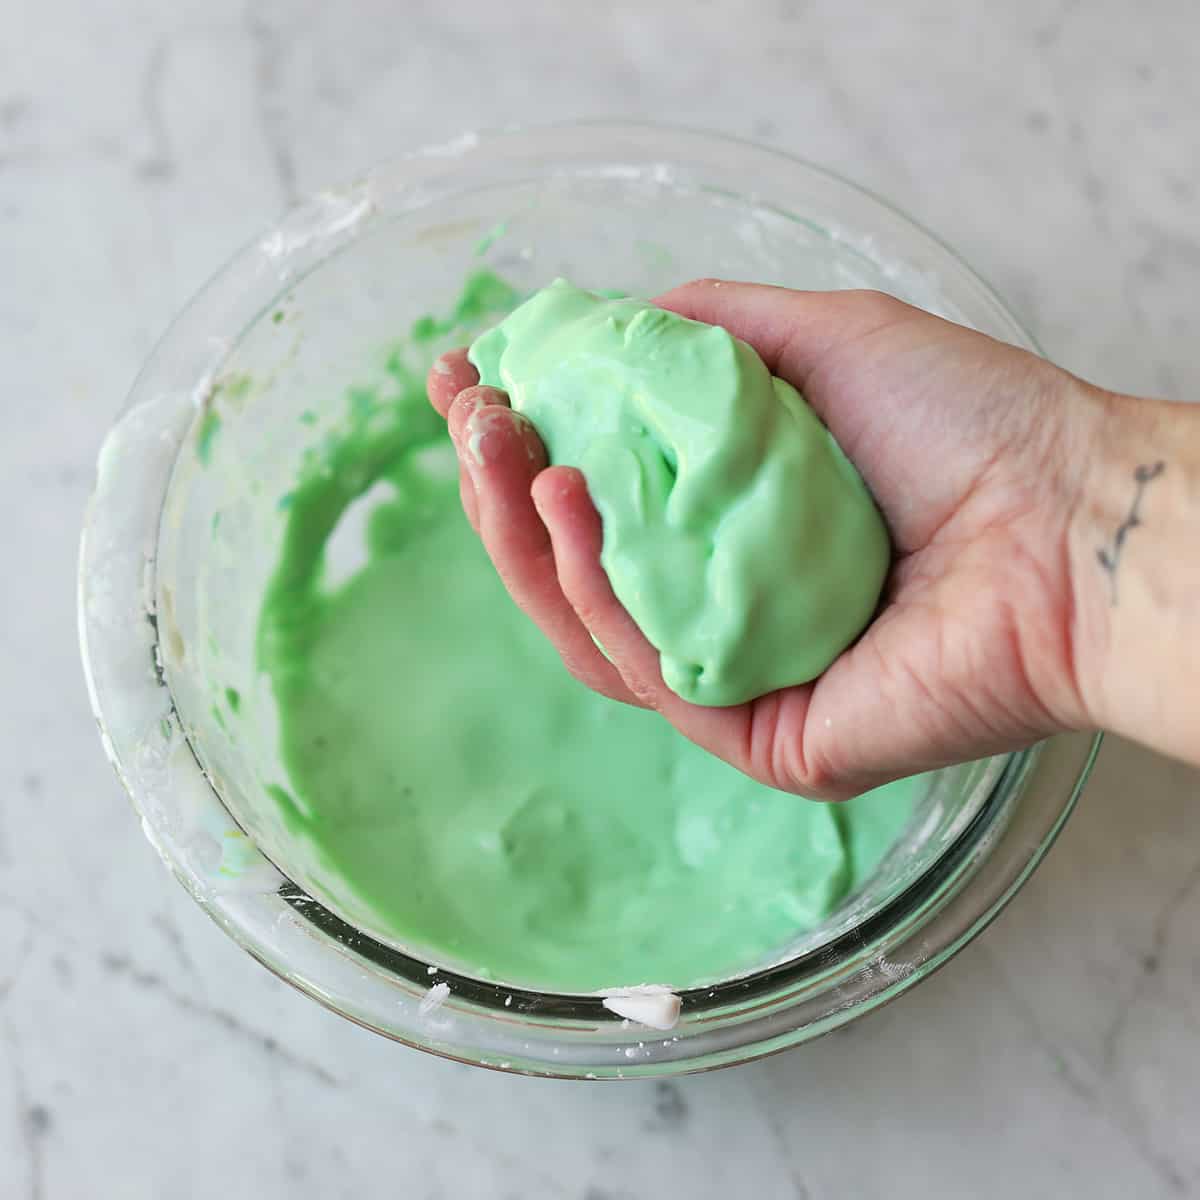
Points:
x=449 y=375
x=791 y=331
x=502 y=456
x=576 y=536
x=575 y=533
x=457 y=414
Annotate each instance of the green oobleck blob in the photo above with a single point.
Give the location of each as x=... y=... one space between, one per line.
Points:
x=483 y=805
x=737 y=534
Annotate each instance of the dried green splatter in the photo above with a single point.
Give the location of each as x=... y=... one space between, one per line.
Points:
x=206 y=434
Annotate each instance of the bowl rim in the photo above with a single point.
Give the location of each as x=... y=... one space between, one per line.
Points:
x=757 y=1014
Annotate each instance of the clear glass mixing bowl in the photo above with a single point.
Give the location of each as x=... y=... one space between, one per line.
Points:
x=183 y=529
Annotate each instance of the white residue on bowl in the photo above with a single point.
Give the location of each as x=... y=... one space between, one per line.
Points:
x=433 y=999
x=653 y=1004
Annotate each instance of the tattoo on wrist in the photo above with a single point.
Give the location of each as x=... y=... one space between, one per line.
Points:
x=1109 y=556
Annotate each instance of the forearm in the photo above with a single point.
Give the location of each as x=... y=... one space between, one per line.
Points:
x=1135 y=566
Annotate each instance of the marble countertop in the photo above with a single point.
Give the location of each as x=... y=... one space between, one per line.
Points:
x=141 y=1055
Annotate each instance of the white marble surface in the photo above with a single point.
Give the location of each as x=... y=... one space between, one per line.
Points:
x=141 y=1054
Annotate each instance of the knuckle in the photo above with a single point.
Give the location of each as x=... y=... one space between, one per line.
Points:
x=585 y=609
x=645 y=693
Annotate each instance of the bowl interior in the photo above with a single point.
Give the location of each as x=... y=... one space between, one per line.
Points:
x=284 y=387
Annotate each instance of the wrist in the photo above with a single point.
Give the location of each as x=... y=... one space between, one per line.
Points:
x=1135 y=570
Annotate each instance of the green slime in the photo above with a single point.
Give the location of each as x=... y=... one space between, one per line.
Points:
x=488 y=810
x=737 y=534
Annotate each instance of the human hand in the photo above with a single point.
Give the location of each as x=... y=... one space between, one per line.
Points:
x=974 y=451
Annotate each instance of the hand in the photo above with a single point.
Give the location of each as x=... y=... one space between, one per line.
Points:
x=974 y=451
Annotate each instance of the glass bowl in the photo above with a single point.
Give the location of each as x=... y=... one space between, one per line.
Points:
x=183 y=529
